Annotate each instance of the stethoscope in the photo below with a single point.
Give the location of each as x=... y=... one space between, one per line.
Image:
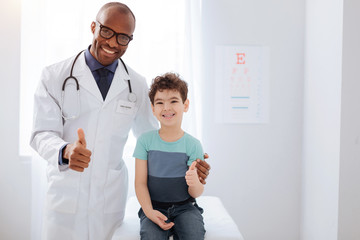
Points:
x=131 y=95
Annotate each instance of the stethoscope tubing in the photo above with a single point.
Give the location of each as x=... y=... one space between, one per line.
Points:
x=71 y=74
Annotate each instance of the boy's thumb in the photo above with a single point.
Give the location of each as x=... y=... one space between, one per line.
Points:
x=193 y=165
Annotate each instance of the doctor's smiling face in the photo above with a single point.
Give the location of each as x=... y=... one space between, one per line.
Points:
x=113 y=27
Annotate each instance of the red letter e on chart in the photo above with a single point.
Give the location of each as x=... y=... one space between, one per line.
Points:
x=240 y=58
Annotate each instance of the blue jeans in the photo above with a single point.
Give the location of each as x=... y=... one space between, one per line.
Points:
x=188 y=223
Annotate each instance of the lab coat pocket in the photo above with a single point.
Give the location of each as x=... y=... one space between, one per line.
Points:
x=63 y=191
x=124 y=116
x=116 y=189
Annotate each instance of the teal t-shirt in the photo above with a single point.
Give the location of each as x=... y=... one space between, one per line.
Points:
x=167 y=164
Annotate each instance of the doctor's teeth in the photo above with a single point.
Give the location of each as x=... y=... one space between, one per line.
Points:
x=108 y=51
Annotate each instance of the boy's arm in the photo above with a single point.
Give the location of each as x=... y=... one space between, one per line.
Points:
x=143 y=196
x=196 y=188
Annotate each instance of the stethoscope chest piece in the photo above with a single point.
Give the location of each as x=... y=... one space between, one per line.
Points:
x=132 y=97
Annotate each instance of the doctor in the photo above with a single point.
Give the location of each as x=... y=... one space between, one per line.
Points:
x=82 y=136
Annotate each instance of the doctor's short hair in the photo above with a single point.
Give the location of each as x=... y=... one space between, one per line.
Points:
x=168 y=81
x=121 y=8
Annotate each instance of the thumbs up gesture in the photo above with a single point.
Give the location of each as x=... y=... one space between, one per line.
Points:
x=77 y=153
x=81 y=137
x=196 y=188
x=191 y=175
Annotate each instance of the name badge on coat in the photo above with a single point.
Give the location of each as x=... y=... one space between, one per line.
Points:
x=125 y=107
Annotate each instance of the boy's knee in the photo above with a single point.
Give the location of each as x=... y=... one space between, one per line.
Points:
x=151 y=231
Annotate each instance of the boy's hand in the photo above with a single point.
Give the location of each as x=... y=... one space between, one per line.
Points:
x=159 y=218
x=191 y=175
x=203 y=169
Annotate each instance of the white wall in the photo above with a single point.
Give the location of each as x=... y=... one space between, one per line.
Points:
x=322 y=119
x=349 y=179
x=256 y=168
x=14 y=173
x=331 y=166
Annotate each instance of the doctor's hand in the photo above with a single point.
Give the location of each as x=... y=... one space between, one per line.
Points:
x=203 y=169
x=77 y=153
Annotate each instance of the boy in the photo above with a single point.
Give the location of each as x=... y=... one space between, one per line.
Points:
x=165 y=187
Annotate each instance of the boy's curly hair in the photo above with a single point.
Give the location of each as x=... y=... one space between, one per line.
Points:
x=168 y=81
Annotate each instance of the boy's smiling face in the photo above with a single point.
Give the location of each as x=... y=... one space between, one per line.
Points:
x=168 y=108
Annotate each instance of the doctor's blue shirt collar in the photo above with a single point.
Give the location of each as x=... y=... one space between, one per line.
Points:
x=94 y=65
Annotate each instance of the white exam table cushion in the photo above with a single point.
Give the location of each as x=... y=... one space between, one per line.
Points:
x=218 y=223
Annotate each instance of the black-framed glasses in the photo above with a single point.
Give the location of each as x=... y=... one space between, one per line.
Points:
x=121 y=38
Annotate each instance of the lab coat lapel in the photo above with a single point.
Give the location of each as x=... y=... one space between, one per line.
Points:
x=86 y=79
x=118 y=84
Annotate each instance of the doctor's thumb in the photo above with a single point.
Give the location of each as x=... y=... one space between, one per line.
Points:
x=81 y=136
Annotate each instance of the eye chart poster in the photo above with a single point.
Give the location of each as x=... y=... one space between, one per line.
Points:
x=242 y=84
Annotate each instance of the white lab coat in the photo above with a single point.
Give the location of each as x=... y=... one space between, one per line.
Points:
x=88 y=205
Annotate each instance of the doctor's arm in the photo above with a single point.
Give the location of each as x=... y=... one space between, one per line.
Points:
x=47 y=122
x=144 y=120
x=143 y=196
